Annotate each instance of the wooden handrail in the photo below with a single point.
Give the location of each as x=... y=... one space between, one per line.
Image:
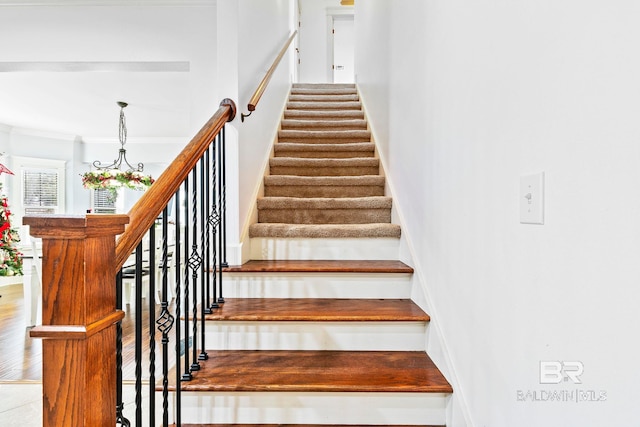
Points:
x=143 y=214
x=253 y=102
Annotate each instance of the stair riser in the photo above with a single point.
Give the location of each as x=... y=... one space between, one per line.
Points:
x=323 y=191
x=330 y=125
x=265 y=248
x=313 y=408
x=323 y=115
x=296 y=91
x=366 y=336
x=360 y=135
x=318 y=285
x=335 y=126
x=324 y=154
x=324 y=216
x=322 y=140
x=322 y=97
x=324 y=106
x=327 y=86
x=328 y=171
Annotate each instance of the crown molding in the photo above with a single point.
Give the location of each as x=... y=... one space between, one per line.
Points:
x=12 y=130
x=95 y=66
x=136 y=141
x=42 y=134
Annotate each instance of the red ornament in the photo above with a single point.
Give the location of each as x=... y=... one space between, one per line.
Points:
x=5 y=169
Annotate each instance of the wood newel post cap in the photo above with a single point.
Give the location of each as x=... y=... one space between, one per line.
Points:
x=75 y=226
x=78 y=282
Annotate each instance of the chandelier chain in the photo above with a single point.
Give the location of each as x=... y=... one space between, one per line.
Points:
x=122 y=153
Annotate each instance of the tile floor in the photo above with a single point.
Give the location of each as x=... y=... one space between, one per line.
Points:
x=21 y=403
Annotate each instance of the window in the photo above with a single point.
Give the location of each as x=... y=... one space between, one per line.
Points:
x=102 y=202
x=40 y=188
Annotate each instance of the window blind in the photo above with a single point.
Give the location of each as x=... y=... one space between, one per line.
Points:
x=101 y=202
x=40 y=191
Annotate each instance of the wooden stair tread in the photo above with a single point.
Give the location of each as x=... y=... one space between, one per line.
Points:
x=318 y=310
x=321 y=266
x=317 y=371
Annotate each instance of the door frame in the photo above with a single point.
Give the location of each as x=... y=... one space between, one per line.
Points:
x=332 y=15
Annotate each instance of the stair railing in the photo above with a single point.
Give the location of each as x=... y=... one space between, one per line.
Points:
x=177 y=230
x=255 y=98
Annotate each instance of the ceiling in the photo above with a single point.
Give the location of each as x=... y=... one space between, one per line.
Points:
x=65 y=64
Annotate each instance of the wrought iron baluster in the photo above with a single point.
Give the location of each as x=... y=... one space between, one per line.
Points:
x=165 y=320
x=204 y=301
x=206 y=245
x=194 y=264
x=120 y=418
x=138 y=333
x=178 y=265
x=223 y=165
x=214 y=221
x=186 y=376
x=152 y=324
x=221 y=227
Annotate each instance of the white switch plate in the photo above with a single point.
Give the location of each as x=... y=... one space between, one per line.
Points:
x=532 y=199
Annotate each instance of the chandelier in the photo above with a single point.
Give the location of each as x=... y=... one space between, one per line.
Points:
x=120 y=173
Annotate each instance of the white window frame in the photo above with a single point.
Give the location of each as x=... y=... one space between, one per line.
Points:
x=118 y=205
x=20 y=164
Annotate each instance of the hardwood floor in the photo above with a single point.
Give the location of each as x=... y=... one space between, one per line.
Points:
x=21 y=355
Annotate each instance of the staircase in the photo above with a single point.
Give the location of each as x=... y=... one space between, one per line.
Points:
x=324 y=179
x=319 y=328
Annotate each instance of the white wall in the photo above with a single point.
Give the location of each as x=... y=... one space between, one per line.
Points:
x=315 y=51
x=229 y=46
x=67 y=108
x=372 y=72
x=163 y=102
x=254 y=32
x=478 y=95
x=25 y=143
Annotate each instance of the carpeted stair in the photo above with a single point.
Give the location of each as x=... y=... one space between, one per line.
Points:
x=324 y=179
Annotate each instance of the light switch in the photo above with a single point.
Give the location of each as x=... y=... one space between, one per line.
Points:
x=532 y=199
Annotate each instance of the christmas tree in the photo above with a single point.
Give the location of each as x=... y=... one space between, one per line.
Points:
x=10 y=257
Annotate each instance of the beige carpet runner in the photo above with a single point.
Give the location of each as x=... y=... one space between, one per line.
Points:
x=324 y=179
